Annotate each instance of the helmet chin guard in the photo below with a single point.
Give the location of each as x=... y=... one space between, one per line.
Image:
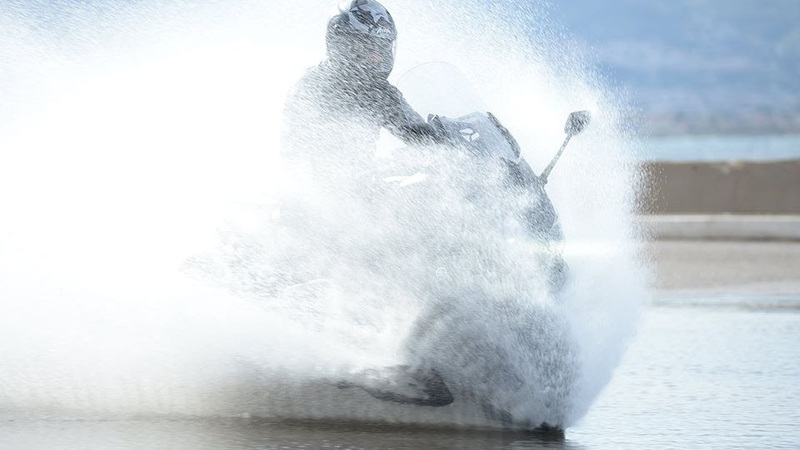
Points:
x=361 y=38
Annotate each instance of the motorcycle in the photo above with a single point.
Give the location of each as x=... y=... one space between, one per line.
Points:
x=477 y=240
x=483 y=346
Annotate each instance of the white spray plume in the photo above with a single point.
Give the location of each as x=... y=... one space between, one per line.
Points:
x=133 y=132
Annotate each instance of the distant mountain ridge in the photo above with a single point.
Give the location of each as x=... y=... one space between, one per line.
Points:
x=714 y=64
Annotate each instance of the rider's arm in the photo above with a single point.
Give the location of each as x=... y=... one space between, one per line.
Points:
x=406 y=124
x=418 y=134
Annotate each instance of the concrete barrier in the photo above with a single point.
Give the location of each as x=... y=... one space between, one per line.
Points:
x=722 y=188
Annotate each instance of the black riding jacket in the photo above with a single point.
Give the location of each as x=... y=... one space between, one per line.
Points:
x=332 y=121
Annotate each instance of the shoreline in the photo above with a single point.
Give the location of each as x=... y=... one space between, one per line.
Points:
x=724 y=227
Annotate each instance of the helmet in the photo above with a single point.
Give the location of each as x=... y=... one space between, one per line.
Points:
x=361 y=38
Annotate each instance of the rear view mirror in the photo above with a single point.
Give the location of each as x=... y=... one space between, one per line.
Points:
x=577 y=122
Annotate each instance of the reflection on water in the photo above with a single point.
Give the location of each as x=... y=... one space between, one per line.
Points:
x=695 y=377
x=704 y=377
x=240 y=434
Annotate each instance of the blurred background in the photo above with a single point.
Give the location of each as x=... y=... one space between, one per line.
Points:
x=714 y=92
x=698 y=67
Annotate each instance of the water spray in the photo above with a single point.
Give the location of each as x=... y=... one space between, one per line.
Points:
x=97 y=268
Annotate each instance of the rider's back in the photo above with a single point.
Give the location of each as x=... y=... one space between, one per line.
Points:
x=332 y=122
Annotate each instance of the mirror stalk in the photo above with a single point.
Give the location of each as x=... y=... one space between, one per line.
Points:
x=549 y=168
x=576 y=123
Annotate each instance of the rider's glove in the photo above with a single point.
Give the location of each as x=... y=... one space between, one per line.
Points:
x=423 y=134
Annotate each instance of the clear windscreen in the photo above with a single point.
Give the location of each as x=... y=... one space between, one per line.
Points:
x=440 y=88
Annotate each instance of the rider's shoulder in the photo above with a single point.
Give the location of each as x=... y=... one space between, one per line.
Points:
x=312 y=76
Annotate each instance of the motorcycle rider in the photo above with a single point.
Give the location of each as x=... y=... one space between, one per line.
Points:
x=332 y=122
x=331 y=125
x=333 y=118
